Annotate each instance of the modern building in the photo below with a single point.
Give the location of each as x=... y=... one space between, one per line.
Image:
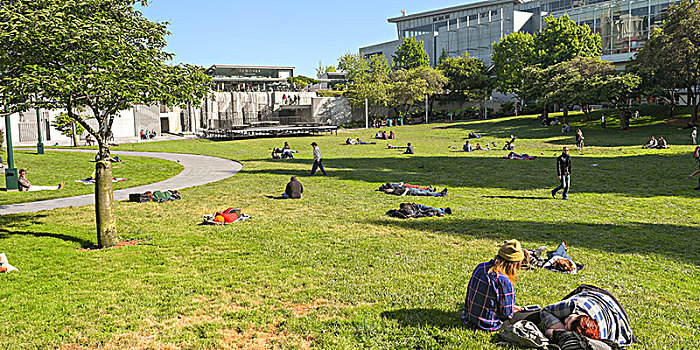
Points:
x=624 y=25
x=228 y=77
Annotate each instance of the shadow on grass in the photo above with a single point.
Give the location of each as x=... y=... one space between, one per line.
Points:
x=421 y=317
x=662 y=175
x=674 y=242
x=13 y=225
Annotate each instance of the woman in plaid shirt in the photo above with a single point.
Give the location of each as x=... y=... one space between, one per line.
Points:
x=490 y=296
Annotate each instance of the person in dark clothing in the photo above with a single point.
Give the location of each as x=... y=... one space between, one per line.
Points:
x=564 y=173
x=294 y=189
x=409 y=149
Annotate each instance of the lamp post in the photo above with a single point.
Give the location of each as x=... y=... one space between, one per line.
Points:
x=40 y=144
x=11 y=177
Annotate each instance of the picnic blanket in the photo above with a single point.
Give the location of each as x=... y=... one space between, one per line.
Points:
x=92 y=181
x=228 y=216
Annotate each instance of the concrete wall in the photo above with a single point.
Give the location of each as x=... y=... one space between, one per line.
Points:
x=337 y=110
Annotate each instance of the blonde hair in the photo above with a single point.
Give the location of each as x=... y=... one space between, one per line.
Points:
x=508 y=268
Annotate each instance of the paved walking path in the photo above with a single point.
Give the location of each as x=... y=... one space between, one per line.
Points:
x=198 y=170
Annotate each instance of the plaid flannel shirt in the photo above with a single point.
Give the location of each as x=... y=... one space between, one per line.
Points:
x=490 y=299
x=611 y=320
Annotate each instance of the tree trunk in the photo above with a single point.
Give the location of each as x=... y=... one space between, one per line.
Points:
x=693 y=104
x=545 y=112
x=566 y=114
x=75 y=137
x=104 y=204
x=624 y=119
x=587 y=112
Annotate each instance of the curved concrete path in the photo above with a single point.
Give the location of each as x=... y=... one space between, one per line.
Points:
x=198 y=170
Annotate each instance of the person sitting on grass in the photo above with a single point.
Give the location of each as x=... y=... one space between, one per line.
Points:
x=25 y=185
x=479 y=148
x=651 y=144
x=294 y=189
x=490 y=299
x=566 y=128
x=392 y=135
x=662 y=144
x=509 y=145
x=593 y=313
x=467 y=147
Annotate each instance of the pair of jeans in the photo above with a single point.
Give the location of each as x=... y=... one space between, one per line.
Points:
x=419 y=192
x=565 y=182
x=318 y=164
x=425 y=207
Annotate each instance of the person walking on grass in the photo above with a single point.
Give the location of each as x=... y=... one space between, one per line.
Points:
x=564 y=173
x=579 y=140
x=694 y=135
x=318 y=160
x=696 y=154
x=602 y=120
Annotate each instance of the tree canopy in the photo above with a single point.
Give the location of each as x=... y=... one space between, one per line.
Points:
x=562 y=40
x=467 y=77
x=98 y=55
x=410 y=54
x=510 y=56
x=670 y=59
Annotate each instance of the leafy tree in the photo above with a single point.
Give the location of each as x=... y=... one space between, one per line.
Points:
x=67 y=126
x=301 y=81
x=510 y=56
x=368 y=79
x=409 y=87
x=120 y=62
x=443 y=56
x=562 y=40
x=467 y=78
x=672 y=54
x=321 y=70
x=410 y=54
x=355 y=66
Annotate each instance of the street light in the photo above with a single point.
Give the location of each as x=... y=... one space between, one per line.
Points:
x=11 y=178
x=40 y=144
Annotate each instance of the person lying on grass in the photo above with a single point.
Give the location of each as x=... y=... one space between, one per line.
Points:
x=594 y=314
x=479 y=148
x=396 y=185
x=409 y=148
x=408 y=191
x=360 y=142
x=490 y=297
x=25 y=185
x=473 y=135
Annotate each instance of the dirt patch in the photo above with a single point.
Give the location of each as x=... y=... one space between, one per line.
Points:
x=261 y=339
x=303 y=309
x=125 y=243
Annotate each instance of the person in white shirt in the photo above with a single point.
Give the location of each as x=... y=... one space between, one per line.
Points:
x=318 y=160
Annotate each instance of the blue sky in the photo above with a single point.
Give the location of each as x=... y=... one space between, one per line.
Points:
x=294 y=32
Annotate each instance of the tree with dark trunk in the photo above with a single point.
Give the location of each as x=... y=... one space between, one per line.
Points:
x=100 y=56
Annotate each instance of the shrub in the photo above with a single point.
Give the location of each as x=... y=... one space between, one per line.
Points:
x=330 y=93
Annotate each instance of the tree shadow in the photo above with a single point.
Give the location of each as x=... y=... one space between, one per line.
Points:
x=12 y=225
x=674 y=242
x=660 y=174
x=517 y=197
x=422 y=317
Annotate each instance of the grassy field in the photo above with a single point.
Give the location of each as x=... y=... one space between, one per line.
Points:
x=54 y=167
x=333 y=271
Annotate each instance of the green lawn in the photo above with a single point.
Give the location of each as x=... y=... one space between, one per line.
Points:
x=54 y=167
x=333 y=271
